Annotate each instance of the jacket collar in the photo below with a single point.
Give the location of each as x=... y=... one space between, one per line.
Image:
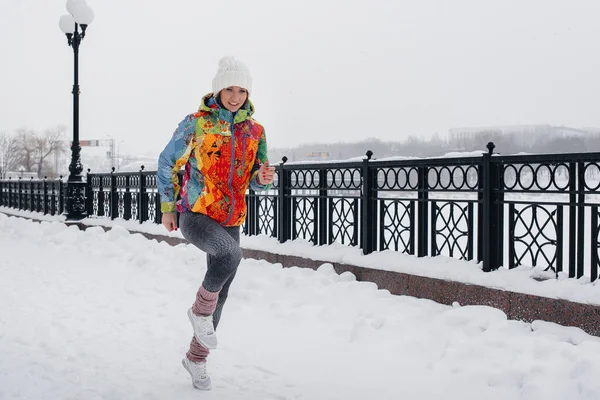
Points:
x=209 y=104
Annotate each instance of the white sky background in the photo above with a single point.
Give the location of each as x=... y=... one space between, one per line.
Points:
x=323 y=70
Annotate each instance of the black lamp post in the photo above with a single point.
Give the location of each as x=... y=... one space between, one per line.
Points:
x=81 y=15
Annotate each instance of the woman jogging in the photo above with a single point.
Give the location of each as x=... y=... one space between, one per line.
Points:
x=223 y=152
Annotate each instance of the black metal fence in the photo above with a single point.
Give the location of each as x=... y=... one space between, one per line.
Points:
x=533 y=210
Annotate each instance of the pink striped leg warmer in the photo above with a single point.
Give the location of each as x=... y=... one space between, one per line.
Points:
x=197 y=352
x=206 y=302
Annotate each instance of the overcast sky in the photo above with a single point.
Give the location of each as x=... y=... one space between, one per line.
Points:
x=324 y=70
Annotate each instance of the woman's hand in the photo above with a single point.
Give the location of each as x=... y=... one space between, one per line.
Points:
x=266 y=174
x=169 y=220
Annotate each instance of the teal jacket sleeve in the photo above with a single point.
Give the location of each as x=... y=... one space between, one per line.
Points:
x=174 y=156
x=261 y=158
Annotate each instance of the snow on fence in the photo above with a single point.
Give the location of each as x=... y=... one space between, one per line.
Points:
x=504 y=211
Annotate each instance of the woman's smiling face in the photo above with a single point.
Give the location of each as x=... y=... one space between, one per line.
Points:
x=233 y=97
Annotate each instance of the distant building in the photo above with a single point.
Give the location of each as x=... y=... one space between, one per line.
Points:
x=592 y=129
x=524 y=134
x=317 y=155
x=471 y=131
x=22 y=175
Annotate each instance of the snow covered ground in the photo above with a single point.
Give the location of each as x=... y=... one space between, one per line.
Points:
x=94 y=315
x=524 y=279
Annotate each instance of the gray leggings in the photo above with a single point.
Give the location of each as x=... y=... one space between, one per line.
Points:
x=223 y=253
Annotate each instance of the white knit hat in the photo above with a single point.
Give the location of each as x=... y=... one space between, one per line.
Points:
x=231 y=72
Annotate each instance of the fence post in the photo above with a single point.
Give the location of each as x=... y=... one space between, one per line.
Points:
x=101 y=196
x=572 y=218
x=485 y=225
x=142 y=209
x=113 y=198
x=275 y=201
x=491 y=247
x=52 y=199
x=15 y=194
x=323 y=223
x=89 y=195
x=580 y=218
x=157 y=212
x=127 y=211
x=422 y=214
x=285 y=212
x=254 y=227
x=35 y=195
x=250 y=212
x=257 y=227
x=19 y=195
x=61 y=195
x=369 y=217
x=45 y=196
x=1 y=193
x=31 y=196
x=11 y=196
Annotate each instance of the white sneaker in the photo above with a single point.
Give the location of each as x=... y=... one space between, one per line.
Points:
x=200 y=378
x=204 y=330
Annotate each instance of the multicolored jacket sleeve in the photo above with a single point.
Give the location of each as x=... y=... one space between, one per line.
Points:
x=261 y=158
x=171 y=159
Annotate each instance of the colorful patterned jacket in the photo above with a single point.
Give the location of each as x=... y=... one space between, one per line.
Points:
x=220 y=163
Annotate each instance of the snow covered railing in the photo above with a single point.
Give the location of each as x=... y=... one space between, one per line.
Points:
x=46 y=196
x=504 y=211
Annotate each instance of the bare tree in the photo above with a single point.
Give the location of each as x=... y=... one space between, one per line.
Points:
x=34 y=149
x=47 y=144
x=8 y=154
x=25 y=148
